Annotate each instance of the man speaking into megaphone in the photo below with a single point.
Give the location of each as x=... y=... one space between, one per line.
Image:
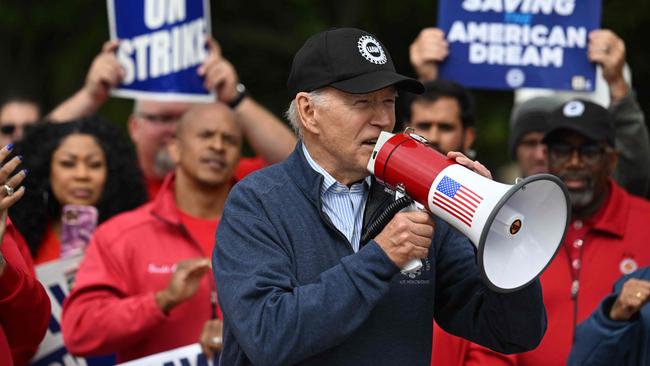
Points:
x=295 y=282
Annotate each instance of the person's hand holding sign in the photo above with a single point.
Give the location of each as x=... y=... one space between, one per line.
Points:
x=608 y=50
x=428 y=49
x=105 y=73
x=219 y=74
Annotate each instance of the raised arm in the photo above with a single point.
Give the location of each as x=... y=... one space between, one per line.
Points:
x=632 y=141
x=105 y=73
x=269 y=136
x=24 y=305
x=612 y=333
x=427 y=51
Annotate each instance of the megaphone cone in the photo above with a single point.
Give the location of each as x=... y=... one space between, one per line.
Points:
x=517 y=229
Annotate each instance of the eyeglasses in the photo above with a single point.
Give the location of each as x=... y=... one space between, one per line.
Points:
x=531 y=144
x=155 y=118
x=8 y=129
x=588 y=153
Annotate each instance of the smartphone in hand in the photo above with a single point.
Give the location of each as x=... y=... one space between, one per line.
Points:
x=78 y=222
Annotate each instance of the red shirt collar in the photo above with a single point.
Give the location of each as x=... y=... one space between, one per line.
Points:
x=611 y=218
x=164 y=204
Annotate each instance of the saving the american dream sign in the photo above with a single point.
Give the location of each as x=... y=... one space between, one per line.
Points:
x=506 y=44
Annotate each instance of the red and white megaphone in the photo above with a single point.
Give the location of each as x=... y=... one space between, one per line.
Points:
x=517 y=229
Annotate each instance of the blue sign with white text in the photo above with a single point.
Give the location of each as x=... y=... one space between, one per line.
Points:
x=162 y=44
x=506 y=44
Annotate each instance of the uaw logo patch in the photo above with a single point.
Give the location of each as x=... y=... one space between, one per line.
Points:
x=416 y=278
x=574 y=109
x=628 y=265
x=371 y=50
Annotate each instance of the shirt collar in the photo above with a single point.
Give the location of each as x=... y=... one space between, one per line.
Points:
x=329 y=182
x=613 y=215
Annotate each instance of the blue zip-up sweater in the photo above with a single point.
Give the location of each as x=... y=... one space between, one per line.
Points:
x=602 y=341
x=292 y=290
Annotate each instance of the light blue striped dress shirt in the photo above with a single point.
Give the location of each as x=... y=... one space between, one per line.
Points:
x=344 y=206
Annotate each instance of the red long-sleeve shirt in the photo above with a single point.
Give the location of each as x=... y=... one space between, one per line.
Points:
x=112 y=307
x=24 y=305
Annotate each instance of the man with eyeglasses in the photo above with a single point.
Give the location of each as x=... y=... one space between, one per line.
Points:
x=528 y=121
x=16 y=113
x=153 y=123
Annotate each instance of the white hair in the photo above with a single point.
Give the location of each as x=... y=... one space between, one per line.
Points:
x=318 y=98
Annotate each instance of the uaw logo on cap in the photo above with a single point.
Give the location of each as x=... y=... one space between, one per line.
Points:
x=574 y=109
x=371 y=50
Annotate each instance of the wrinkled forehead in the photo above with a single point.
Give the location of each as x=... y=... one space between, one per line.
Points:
x=19 y=112
x=161 y=108
x=387 y=92
x=210 y=117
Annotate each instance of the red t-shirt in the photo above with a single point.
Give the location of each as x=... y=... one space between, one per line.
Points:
x=201 y=230
x=50 y=248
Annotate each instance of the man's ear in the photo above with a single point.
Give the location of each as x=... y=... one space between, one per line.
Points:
x=469 y=135
x=307 y=113
x=174 y=150
x=133 y=127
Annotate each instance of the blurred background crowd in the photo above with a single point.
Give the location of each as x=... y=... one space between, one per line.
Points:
x=44 y=48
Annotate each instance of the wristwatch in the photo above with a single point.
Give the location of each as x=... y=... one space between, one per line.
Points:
x=243 y=92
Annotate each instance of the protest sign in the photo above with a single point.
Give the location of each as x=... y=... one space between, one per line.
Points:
x=505 y=44
x=162 y=44
x=184 y=356
x=56 y=277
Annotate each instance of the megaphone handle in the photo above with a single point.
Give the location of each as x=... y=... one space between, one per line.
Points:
x=415 y=264
x=412 y=266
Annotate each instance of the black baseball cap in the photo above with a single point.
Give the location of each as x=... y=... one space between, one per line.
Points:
x=586 y=118
x=348 y=59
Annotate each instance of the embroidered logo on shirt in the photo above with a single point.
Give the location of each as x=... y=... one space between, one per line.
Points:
x=414 y=278
x=161 y=268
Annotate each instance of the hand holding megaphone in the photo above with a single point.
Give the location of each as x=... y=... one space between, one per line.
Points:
x=516 y=229
x=407 y=236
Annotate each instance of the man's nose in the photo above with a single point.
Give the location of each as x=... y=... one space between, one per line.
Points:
x=383 y=117
x=574 y=158
x=433 y=135
x=217 y=143
x=540 y=152
x=18 y=133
